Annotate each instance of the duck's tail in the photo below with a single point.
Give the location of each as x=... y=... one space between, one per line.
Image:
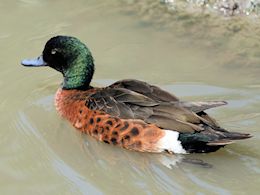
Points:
x=209 y=140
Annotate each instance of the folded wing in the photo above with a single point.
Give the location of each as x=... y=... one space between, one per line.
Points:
x=133 y=99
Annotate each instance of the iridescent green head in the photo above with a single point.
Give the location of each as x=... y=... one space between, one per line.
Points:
x=69 y=56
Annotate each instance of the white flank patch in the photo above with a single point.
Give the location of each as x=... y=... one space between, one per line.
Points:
x=171 y=143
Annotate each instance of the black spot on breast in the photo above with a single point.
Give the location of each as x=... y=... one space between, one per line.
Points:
x=126 y=125
x=91 y=121
x=106 y=139
x=80 y=111
x=109 y=123
x=95 y=132
x=98 y=120
x=126 y=137
x=107 y=128
x=117 y=125
x=134 y=131
x=115 y=133
x=113 y=141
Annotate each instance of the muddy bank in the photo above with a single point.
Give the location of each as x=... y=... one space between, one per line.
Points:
x=221 y=7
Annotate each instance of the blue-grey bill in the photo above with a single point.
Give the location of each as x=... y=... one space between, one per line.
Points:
x=34 y=62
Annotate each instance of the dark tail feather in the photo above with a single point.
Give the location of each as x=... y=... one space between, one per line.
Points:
x=204 y=142
x=237 y=136
x=230 y=137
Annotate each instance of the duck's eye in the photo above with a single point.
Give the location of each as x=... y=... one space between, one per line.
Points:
x=54 y=51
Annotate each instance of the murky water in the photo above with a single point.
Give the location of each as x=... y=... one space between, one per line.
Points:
x=194 y=56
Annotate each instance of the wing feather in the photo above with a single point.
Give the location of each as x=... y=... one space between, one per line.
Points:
x=132 y=99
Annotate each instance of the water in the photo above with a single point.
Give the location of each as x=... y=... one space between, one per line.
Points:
x=195 y=56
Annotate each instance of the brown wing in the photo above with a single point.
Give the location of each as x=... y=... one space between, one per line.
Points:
x=151 y=91
x=132 y=99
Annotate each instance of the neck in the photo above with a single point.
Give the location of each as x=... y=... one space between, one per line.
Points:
x=80 y=74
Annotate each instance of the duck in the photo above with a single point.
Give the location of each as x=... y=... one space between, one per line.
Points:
x=129 y=113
